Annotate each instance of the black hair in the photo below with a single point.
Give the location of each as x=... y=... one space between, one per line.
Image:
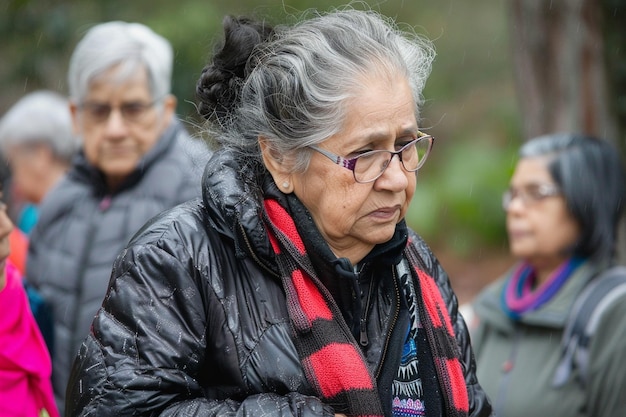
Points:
x=218 y=87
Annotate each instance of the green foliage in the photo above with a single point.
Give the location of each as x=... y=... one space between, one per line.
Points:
x=458 y=205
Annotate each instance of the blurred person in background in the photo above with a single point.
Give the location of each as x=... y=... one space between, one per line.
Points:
x=25 y=366
x=136 y=159
x=37 y=140
x=564 y=203
x=294 y=287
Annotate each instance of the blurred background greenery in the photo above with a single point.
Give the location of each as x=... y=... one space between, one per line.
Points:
x=471 y=106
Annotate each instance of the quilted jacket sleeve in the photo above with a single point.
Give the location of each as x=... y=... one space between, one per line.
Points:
x=145 y=352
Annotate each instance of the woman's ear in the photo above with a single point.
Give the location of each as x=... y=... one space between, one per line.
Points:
x=169 y=110
x=277 y=165
x=76 y=125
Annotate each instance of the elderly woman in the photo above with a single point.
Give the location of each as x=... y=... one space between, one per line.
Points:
x=294 y=288
x=37 y=140
x=562 y=208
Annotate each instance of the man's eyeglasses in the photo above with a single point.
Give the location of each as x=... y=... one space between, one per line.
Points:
x=530 y=194
x=369 y=166
x=132 y=112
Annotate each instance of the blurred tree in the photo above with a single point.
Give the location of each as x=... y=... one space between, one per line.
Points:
x=558 y=50
x=615 y=39
x=614 y=16
x=570 y=69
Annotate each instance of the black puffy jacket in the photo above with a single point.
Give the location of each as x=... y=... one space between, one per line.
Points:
x=195 y=321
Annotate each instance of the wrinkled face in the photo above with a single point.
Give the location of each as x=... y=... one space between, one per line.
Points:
x=354 y=217
x=119 y=122
x=539 y=231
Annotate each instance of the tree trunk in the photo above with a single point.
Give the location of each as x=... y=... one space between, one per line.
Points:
x=615 y=41
x=565 y=75
x=558 y=53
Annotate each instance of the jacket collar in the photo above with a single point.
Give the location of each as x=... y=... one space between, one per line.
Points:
x=232 y=195
x=553 y=314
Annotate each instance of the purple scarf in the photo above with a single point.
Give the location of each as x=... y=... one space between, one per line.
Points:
x=518 y=294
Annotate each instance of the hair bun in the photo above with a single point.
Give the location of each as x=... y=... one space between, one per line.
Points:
x=217 y=92
x=219 y=85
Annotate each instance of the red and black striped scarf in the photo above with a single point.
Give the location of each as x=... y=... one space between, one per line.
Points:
x=333 y=363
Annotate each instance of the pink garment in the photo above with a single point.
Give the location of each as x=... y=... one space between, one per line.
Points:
x=25 y=366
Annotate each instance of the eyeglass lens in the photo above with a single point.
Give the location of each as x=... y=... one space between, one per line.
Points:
x=131 y=112
x=371 y=165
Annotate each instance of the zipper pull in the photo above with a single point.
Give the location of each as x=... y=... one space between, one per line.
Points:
x=105 y=203
x=364 y=340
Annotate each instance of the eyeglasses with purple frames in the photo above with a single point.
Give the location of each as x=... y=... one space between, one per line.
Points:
x=369 y=166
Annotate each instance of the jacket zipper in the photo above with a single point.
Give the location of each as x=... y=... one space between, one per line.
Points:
x=392 y=324
x=363 y=339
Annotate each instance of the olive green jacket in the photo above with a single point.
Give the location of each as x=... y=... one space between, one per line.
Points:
x=517 y=360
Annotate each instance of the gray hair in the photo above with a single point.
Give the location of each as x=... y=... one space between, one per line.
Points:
x=299 y=80
x=41 y=117
x=132 y=45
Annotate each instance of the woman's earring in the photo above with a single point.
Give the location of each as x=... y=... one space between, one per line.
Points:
x=285 y=184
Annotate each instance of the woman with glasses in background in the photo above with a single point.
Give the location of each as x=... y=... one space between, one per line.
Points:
x=294 y=287
x=562 y=213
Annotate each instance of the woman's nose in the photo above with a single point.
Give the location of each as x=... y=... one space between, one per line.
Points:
x=394 y=176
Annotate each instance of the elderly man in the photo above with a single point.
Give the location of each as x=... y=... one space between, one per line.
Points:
x=136 y=160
